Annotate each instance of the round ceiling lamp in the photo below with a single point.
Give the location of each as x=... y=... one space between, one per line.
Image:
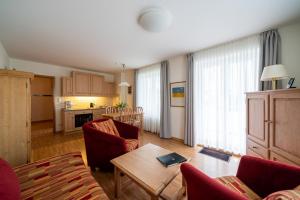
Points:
x=155 y=19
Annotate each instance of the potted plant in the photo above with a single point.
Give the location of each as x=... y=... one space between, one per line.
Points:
x=121 y=106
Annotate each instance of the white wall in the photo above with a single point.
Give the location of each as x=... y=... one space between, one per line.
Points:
x=177 y=73
x=4 y=59
x=290 y=40
x=57 y=72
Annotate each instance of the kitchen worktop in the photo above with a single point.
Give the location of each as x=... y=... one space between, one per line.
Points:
x=79 y=109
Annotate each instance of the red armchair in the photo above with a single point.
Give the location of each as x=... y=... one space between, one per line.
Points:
x=102 y=147
x=261 y=176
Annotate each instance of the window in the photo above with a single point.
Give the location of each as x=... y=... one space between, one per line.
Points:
x=148 y=96
x=222 y=75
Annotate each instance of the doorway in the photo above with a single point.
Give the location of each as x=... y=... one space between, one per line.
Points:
x=42 y=106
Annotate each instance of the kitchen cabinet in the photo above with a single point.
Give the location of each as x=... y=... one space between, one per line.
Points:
x=85 y=84
x=15 y=116
x=68 y=121
x=81 y=84
x=97 y=113
x=42 y=101
x=67 y=86
x=109 y=89
x=42 y=108
x=68 y=116
x=97 y=85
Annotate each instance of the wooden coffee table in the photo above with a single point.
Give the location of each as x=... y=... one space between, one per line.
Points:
x=143 y=168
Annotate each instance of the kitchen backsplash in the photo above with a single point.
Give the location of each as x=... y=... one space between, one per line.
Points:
x=84 y=102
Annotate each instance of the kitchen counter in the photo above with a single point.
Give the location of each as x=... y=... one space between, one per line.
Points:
x=79 y=109
x=73 y=119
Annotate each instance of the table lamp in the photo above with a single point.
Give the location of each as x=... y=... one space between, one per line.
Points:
x=273 y=73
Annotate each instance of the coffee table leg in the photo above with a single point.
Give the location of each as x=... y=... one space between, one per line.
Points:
x=117 y=182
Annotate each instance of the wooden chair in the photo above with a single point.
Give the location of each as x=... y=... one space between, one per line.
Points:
x=137 y=119
x=126 y=116
x=139 y=109
x=111 y=109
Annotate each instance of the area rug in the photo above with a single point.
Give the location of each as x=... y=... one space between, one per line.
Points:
x=215 y=154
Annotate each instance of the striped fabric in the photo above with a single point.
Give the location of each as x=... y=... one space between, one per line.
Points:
x=107 y=126
x=237 y=185
x=284 y=195
x=60 y=177
x=131 y=144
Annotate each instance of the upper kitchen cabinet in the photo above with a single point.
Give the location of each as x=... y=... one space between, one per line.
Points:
x=97 y=85
x=81 y=84
x=67 y=86
x=108 y=89
x=85 y=84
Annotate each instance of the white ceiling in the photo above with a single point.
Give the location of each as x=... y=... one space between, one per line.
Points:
x=95 y=34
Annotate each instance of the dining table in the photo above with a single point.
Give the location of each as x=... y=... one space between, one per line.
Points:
x=119 y=115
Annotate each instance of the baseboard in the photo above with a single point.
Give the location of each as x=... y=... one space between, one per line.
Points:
x=178 y=139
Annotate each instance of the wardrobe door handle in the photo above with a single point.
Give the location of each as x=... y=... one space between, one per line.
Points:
x=268 y=121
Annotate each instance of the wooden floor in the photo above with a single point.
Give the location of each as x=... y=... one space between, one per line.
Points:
x=39 y=129
x=57 y=144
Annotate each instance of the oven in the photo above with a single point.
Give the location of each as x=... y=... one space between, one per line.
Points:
x=81 y=119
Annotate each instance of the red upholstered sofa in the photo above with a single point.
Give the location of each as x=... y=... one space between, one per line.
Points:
x=102 y=147
x=59 y=177
x=260 y=176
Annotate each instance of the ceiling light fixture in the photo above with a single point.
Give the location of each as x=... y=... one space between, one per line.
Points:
x=123 y=78
x=155 y=19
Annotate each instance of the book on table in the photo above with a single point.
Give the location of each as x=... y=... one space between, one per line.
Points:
x=171 y=159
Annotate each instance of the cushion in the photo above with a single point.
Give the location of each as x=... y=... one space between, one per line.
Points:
x=237 y=185
x=131 y=144
x=59 y=177
x=284 y=195
x=107 y=126
x=9 y=184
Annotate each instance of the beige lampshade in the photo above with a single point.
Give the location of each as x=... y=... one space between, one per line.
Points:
x=274 y=72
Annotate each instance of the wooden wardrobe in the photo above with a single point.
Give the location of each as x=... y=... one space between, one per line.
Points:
x=15 y=114
x=273 y=125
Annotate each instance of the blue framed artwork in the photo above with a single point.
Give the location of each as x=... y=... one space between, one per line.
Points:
x=177 y=94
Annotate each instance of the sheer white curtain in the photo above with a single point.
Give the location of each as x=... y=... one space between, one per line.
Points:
x=148 y=96
x=222 y=75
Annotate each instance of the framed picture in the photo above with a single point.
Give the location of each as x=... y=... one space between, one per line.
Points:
x=177 y=94
x=290 y=83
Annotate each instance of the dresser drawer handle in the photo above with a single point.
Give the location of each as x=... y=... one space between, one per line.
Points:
x=254 y=147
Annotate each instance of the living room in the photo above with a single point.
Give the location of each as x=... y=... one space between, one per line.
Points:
x=149 y=99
